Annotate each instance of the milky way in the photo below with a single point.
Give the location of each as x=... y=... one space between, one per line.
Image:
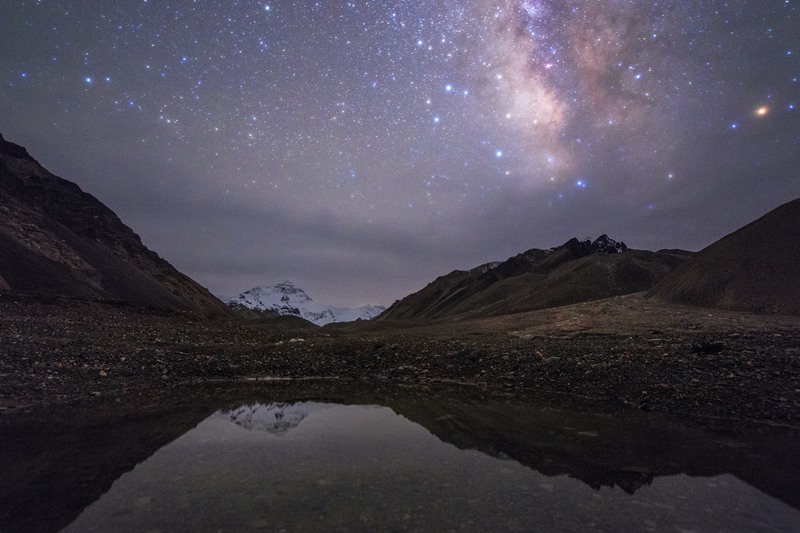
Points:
x=363 y=148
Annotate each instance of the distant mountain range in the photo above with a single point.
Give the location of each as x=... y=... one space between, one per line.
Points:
x=576 y=271
x=56 y=239
x=285 y=299
x=754 y=269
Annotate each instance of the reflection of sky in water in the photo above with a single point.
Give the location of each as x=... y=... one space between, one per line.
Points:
x=355 y=467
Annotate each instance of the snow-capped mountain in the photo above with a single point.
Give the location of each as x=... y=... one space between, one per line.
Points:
x=286 y=299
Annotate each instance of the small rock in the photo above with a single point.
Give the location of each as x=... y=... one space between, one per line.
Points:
x=708 y=347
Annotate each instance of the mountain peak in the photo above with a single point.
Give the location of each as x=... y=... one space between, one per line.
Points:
x=285 y=292
x=287 y=299
x=603 y=244
x=606 y=245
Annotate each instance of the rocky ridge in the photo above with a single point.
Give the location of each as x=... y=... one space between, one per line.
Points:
x=603 y=245
x=576 y=271
x=57 y=239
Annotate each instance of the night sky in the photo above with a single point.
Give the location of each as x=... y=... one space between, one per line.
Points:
x=361 y=149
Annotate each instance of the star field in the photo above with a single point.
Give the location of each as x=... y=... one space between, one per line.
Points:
x=363 y=148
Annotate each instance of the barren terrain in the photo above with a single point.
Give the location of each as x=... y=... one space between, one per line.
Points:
x=617 y=354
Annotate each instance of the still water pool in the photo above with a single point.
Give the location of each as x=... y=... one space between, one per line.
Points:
x=418 y=464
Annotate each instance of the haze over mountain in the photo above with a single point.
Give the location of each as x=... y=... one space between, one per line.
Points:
x=286 y=299
x=576 y=271
x=756 y=268
x=56 y=239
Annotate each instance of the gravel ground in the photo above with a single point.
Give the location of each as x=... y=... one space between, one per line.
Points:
x=622 y=353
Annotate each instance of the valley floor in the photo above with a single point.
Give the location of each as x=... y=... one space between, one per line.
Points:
x=625 y=353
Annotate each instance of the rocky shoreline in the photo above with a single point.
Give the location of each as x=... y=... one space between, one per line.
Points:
x=611 y=355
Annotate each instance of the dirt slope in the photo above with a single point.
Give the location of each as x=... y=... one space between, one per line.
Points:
x=756 y=268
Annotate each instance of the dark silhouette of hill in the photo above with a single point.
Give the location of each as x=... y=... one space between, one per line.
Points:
x=576 y=271
x=56 y=239
x=756 y=268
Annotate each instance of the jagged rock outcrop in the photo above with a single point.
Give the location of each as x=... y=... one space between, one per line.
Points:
x=56 y=239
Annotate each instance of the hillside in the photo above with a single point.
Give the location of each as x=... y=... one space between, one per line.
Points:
x=56 y=239
x=576 y=271
x=756 y=268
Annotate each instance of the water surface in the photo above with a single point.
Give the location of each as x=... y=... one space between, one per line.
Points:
x=427 y=463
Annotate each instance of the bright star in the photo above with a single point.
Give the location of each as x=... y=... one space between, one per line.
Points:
x=762 y=111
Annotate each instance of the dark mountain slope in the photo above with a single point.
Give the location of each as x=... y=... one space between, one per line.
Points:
x=57 y=239
x=756 y=268
x=575 y=272
x=439 y=296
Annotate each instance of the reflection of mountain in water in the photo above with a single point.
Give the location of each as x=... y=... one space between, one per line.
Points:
x=40 y=452
x=607 y=451
x=595 y=450
x=277 y=418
